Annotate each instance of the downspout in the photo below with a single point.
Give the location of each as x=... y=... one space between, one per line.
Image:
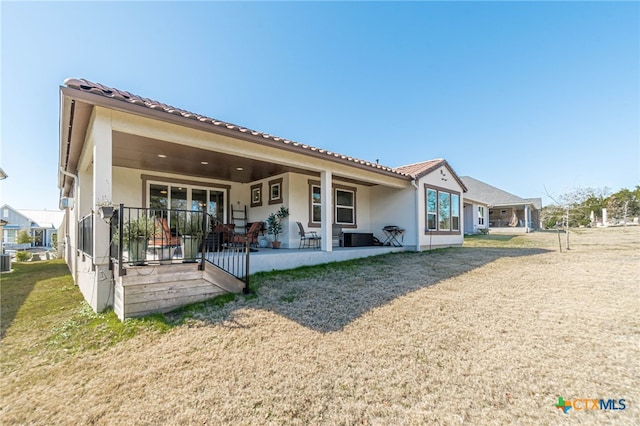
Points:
x=417 y=213
x=66 y=237
x=75 y=182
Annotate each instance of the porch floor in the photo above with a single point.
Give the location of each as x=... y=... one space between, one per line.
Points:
x=268 y=259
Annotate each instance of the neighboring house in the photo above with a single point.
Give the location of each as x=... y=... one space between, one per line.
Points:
x=151 y=160
x=475 y=214
x=40 y=224
x=502 y=210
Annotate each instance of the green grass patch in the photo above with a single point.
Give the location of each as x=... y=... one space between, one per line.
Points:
x=43 y=310
x=181 y=315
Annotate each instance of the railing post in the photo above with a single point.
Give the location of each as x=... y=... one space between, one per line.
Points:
x=204 y=228
x=245 y=290
x=121 y=270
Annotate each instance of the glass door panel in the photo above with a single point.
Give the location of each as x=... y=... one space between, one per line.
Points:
x=216 y=204
x=199 y=199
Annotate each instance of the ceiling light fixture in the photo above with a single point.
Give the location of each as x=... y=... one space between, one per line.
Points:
x=162 y=156
x=204 y=162
x=239 y=169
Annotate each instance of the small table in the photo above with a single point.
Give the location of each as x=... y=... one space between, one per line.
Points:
x=392 y=232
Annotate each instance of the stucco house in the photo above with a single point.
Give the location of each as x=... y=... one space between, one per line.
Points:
x=503 y=211
x=41 y=225
x=126 y=160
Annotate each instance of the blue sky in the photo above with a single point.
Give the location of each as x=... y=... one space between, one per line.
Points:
x=520 y=95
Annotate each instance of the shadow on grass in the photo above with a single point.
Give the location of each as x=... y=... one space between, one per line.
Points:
x=328 y=297
x=490 y=237
x=16 y=286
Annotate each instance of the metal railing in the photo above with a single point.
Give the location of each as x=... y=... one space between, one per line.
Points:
x=141 y=236
x=85 y=235
x=227 y=249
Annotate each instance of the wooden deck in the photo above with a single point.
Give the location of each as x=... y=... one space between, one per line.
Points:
x=162 y=288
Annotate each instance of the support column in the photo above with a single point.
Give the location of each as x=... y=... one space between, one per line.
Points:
x=101 y=134
x=526 y=218
x=326 y=194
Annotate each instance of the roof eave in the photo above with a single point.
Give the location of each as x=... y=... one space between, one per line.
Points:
x=205 y=124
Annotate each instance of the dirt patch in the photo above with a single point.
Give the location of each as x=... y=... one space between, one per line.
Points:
x=492 y=333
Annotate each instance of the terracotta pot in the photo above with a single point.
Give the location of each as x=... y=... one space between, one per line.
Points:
x=276 y=244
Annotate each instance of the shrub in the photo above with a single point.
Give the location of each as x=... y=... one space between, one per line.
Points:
x=23 y=256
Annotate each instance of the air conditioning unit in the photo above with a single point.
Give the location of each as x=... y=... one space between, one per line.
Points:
x=66 y=202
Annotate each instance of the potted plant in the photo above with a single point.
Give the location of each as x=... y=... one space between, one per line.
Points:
x=274 y=225
x=135 y=236
x=191 y=237
x=106 y=209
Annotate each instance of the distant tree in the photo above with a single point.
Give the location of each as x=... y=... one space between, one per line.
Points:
x=574 y=209
x=54 y=241
x=24 y=237
x=552 y=216
x=621 y=200
x=580 y=202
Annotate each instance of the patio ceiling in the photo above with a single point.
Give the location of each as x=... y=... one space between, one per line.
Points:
x=143 y=153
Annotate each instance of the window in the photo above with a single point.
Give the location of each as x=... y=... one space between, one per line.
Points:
x=163 y=196
x=11 y=235
x=432 y=206
x=256 y=195
x=345 y=207
x=455 y=212
x=480 y=215
x=275 y=191
x=316 y=204
x=442 y=210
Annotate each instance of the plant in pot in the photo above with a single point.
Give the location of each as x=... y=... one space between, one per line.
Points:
x=106 y=208
x=135 y=237
x=274 y=225
x=191 y=237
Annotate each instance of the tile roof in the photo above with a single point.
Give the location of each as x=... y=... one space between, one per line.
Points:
x=423 y=168
x=483 y=192
x=418 y=170
x=110 y=92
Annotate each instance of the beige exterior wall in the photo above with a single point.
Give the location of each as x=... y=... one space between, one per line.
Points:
x=390 y=206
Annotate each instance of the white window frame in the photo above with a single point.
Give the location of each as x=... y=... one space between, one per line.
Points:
x=352 y=207
x=451 y=210
x=189 y=189
x=431 y=213
x=481 y=215
x=315 y=204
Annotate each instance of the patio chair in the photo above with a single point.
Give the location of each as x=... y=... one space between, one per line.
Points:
x=164 y=242
x=252 y=235
x=164 y=238
x=308 y=238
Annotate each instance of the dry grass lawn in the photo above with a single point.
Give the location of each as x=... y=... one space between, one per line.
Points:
x=490 y=333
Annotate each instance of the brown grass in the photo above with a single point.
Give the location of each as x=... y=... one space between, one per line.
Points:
x=491 y=333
